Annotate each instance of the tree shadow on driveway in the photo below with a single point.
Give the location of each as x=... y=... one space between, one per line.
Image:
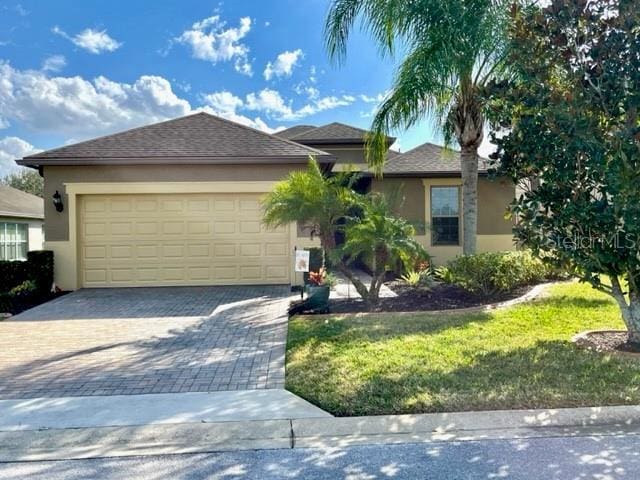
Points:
x=237 y=345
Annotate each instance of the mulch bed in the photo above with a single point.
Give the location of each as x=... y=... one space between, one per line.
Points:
x=415 y=299
x=611 y=341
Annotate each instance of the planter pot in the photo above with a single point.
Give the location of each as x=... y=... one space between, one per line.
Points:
x=318 y=297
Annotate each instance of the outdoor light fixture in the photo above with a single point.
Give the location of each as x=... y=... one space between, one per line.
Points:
x=57 y=201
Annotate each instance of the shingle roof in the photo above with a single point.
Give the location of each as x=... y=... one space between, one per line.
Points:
x=428 y=159
x=293 y=131
x=332 y=133
x=198 y=138
x=16 y=203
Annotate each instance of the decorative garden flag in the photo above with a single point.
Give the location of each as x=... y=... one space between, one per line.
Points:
x=302 y=260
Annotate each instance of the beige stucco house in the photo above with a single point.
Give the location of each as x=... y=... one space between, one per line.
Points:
x=178 y=202
x=21 y=219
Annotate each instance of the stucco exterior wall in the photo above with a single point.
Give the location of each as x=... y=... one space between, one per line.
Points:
x=57 y=224
x=494 y=195
x=408 y=194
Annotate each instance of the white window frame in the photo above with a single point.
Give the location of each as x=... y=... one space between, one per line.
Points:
x=20 y=247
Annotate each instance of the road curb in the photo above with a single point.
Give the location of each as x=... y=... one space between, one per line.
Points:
x=96 y=442
x=59 y=444
x=460 y=425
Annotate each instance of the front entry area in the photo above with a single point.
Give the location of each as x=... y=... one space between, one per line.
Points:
x=174 y=239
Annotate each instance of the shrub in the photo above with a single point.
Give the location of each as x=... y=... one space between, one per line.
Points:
x=12 y=273
x=444 y=274
x=491 y=273
x=27 y=287
x=25 y=283
x=40 y=270
x=412 y=278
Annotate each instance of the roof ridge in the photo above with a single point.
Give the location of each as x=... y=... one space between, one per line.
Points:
x=270 y=135
x=313 y=127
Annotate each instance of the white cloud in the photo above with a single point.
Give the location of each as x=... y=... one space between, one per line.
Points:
x=83 y=108
x=224 y=101
x=322 y=104
x=210 y=41
x=373 y=99
x=271 y=102
x=312 y=92
x=226 y=105
x=12 y=148
x=283 y=65
x=54 y=63
x=94 y=41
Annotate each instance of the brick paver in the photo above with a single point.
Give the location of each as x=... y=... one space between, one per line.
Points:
x=146 y=340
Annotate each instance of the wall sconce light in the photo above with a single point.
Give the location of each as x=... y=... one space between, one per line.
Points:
x=57 y=201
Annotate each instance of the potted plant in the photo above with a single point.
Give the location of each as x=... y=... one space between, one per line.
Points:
x=318 y=290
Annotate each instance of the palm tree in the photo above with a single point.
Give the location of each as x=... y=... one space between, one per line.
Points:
x=311 y=199
x=328 y=204
x=381 y=240
x=453 y=49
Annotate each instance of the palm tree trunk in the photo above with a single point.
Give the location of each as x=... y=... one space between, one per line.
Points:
x=467 y=120
x=469 y=172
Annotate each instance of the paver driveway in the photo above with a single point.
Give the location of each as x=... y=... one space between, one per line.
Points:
x=146 y=340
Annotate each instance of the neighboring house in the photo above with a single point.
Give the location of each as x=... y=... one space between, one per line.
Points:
x=21 y=219
x=178 y=202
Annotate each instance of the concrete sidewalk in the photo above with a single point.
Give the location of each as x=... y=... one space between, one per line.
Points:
x=327 y=432
x=153 y=409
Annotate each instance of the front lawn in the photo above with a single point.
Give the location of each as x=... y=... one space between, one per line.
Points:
x=515 y=358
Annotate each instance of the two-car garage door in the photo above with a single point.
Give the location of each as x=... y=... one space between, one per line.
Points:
x=179 y=239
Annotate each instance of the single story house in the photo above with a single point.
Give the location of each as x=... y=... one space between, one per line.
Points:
x=21 y=221
x=178 y=202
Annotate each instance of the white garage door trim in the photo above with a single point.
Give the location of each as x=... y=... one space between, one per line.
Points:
x=70 y=278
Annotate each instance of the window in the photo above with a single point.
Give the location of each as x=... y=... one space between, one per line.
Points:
x=14 y=241
x=445 y=216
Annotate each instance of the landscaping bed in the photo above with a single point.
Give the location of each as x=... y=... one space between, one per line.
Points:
x=517 y=357
x=612 y=341
x=441 y=296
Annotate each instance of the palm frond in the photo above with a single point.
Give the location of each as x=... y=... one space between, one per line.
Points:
x=385 y=20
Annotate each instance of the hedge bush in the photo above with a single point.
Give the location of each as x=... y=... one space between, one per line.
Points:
x=26 y=283
x=490 y=273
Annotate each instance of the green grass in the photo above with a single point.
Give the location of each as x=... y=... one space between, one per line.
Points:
x=520 y=357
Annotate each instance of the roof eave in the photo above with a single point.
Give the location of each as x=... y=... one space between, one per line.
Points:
x=34 y=161
x=439 y=174
x=341 y=141
x=22 y=215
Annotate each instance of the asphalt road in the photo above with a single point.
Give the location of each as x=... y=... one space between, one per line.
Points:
x=565 y=458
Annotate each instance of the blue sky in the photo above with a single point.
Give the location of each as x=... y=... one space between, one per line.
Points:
x=71 y=70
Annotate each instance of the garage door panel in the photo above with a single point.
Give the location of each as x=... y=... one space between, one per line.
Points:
x=190 y=239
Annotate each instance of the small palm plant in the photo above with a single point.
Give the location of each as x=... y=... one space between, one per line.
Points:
x=311 y=199
x=381 y=240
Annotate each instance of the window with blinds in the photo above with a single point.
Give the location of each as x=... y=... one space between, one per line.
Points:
x=14 y=241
